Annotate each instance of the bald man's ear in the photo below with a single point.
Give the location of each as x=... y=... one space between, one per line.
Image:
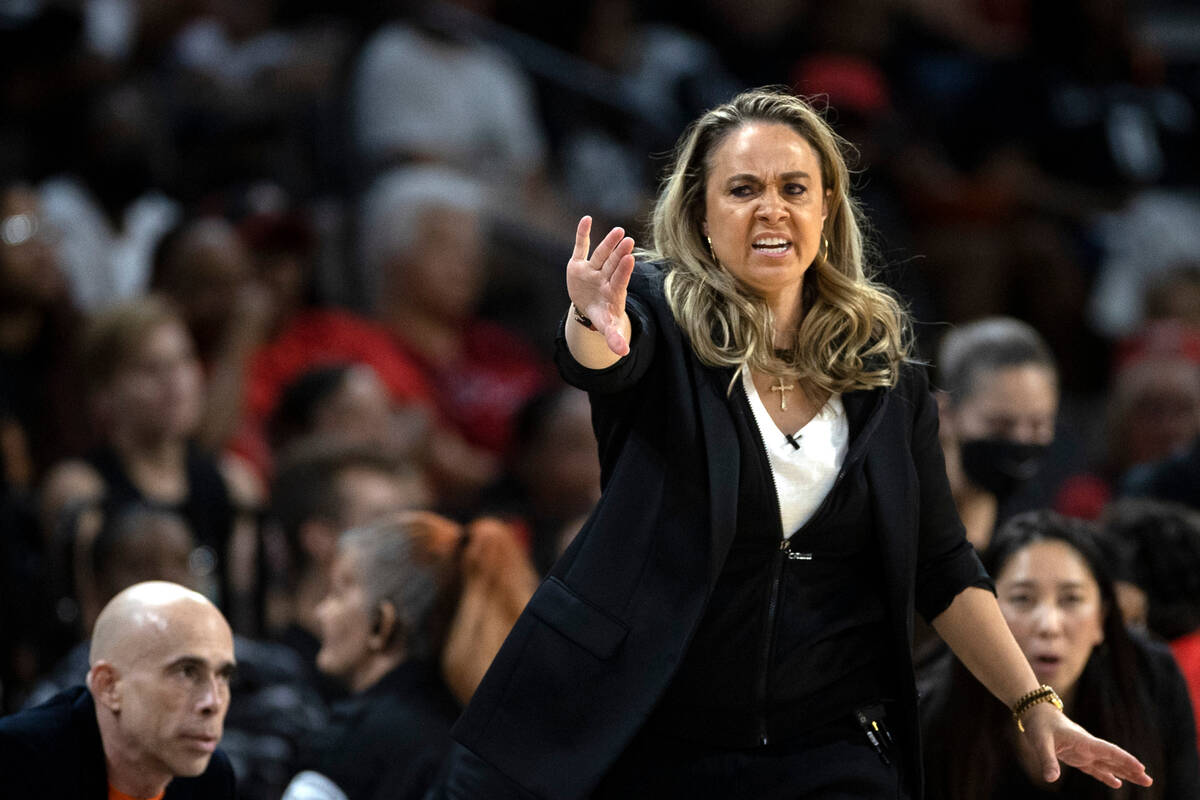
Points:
x=385 y=630
x=102 y=681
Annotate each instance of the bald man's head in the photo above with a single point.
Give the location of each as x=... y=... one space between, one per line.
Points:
x=139 y=615
x=161 y=662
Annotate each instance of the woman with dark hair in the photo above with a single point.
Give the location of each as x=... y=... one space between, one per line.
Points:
x=1056 y=593
x=343 y=399
x=735 y=617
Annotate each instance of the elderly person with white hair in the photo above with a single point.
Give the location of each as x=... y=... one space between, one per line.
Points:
x=422 y=239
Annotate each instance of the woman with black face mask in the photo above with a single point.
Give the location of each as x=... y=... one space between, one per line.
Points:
x=998 y=399
x=997 y=392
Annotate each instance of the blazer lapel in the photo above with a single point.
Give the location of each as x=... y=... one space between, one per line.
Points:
x=724 y=461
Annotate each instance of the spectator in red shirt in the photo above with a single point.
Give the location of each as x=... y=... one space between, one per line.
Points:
x=423 y=249
x=305 y=334
x=272 y=331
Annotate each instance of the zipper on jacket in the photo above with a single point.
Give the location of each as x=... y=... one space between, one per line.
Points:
x=764 y=669
x=769 y=638
x=785 y=552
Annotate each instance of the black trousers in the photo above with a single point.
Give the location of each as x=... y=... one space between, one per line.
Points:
x=840 y=766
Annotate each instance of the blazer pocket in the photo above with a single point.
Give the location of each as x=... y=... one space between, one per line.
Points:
x=577 y=619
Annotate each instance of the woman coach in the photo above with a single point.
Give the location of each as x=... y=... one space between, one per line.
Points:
x=734 y=618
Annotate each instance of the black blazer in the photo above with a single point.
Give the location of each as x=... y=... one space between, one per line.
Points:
x=54 y=750
x=601 y=638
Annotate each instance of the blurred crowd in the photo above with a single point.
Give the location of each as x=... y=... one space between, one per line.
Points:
x=274 y=271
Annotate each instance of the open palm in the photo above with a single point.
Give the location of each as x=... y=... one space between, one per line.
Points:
x=1055 y=738
x=597 y=283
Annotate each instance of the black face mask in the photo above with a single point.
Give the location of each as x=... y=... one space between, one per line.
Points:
x=1001 y=466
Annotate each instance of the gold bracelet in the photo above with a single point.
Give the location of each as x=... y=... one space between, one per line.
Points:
x=1042 y=694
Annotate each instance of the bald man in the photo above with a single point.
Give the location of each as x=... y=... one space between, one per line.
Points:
x=147 y=723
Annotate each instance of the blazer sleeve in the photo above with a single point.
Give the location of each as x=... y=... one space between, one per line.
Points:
x=946 y=562
x=629 y=370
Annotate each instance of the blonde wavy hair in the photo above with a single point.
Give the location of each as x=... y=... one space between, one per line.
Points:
x=854 y=333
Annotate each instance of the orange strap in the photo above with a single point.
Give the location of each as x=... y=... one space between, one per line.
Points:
x=117 y=794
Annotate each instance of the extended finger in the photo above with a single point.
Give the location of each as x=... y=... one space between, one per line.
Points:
x=605 y=248
x=1107 y=762
x=582 y=239
x=1121 y=763
x=618 y=282
x=623 y=249
x=1134 y=773
x=1103 y=775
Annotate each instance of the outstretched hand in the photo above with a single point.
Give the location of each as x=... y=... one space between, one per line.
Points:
x=1053 y=737
x=597 y=283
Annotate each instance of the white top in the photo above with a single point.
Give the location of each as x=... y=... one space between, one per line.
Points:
x=461 y=103
x=803 y=475
x=104 y=265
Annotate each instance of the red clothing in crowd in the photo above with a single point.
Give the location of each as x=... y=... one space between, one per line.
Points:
x=480 y=393
x=311 y=338
x=1187 y=653
x=1083 y=496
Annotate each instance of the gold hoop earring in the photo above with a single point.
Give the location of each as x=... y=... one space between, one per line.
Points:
x=716 y=261
x=825 y=255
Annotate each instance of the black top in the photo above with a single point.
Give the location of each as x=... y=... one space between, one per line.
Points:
x=794 y=634
x=387 y=741
x=54 y=751
x=207 y=508
x=306 y=645
x=1162 y=691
